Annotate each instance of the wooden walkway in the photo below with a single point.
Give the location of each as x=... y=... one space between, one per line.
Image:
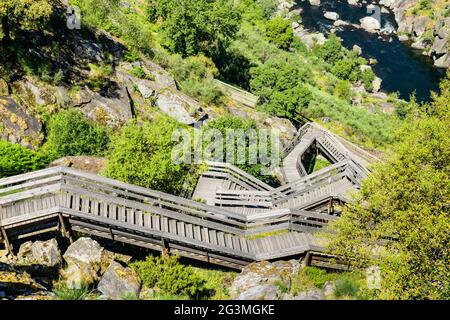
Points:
x=233 y=219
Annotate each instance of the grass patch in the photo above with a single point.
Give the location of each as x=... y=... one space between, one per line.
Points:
x=267 y=234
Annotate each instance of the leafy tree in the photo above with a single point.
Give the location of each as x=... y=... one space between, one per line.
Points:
x=401 y=218
x=278 y=83
x=279 y=32
x=142 y=154
x=15 y=159
x=195 y=26
x=71 y=134
x=331 y=50
x=22 y=15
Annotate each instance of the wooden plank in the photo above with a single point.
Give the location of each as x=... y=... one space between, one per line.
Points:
x=197 y=233
x=180 y=229
x=189 y=231
x=164 y=224
x=205 y=233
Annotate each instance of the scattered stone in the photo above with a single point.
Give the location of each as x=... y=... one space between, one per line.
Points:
x=314 y=2
x=403 y=38
x=353 y=2
x=370 y=24
x=44 y=253
x=119 y=282
x=333 y=16
x=260 y=292
x=357 y=49
x=340 y=23
x=376 y=84
x=328 y=288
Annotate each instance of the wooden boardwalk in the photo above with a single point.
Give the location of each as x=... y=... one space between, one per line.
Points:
x=243 y=219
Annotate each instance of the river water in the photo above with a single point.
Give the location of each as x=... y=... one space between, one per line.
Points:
x=402 y=68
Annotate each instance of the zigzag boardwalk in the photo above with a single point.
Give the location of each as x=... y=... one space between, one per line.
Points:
x=244 y=220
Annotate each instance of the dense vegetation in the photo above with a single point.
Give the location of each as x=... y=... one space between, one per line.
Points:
x=401 y=219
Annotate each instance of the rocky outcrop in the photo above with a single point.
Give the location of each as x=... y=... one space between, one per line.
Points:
x=44 y=253
x=119 y=282
x=428 y=33
x=263 y=280
x=18 y=125
x=315 y=2
x=85 y=259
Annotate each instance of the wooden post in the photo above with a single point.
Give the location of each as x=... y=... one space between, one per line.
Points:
x=165 y=246
x=7 y=243
x=65 y=231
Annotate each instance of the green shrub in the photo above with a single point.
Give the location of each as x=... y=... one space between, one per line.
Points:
x=367 y=77
x=331 y=50
x=142 y=154
x=346 y=287
x=342 y=90
x=71 y=134
x=279 y=32
x=140 y=73
x=15 y=159
x=170 y=276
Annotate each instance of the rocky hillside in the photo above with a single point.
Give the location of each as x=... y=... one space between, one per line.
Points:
x=427 y=24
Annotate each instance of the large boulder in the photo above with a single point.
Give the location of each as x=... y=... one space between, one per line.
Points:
x=118 y=282
x=178 y=105
x=85 y=259
x=370 y=24
x=314 y=2
x=333 y=16
x=44 y=253
x=262 y=280
x=111 y=108
x=443 y=62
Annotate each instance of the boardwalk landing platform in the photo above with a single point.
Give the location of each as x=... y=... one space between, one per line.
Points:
x=244 y=220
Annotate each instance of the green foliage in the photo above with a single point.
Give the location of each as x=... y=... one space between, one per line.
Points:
x=15 y=159
x=62 y=292
x=141 y=154
x=99 y=75
x=278 y=83
x=191 y=27
x=170 y=276
x=367 y=77
x=236 y=123
x=140 y=73
x=195 y=76
x=342 y=90
x=71 y=134
x=23 y=15
x=346 y=287
x=400 y=221
x=217 y=282
x=279 y=32
x=108 y=15
x=331 y=50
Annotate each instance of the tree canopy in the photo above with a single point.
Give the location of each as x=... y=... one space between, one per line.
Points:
x=401 y=218
x=190 y=27
x=279 y=32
